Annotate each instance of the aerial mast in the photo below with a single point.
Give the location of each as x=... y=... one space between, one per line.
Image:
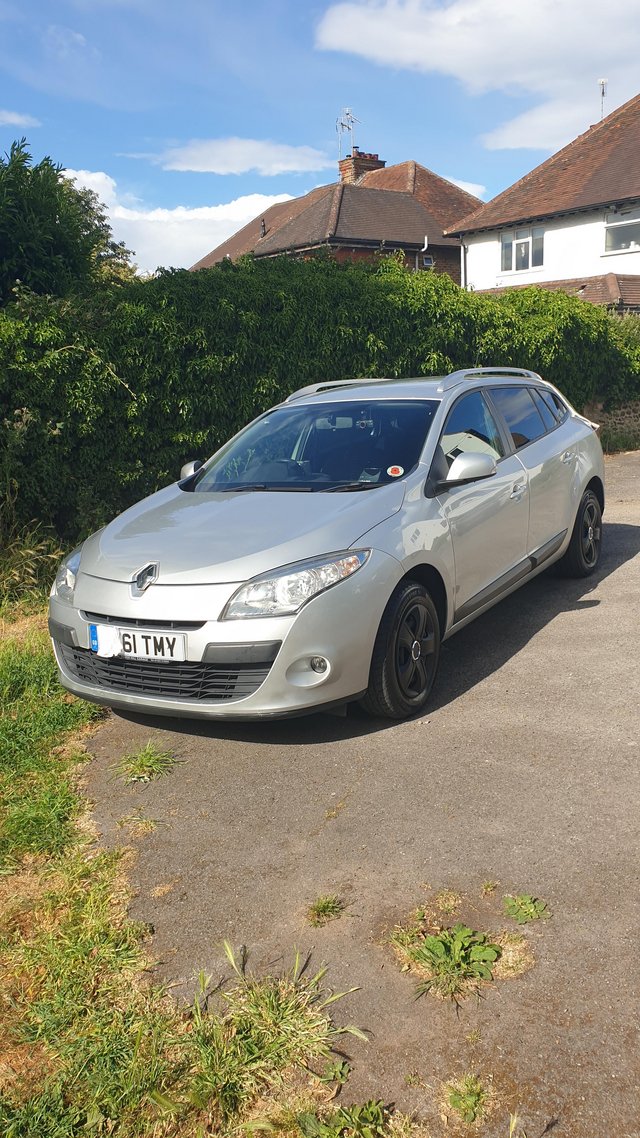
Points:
x=345 y=123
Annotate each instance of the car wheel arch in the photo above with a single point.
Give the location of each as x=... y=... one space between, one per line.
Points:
x=429 y=577
x=596 y=486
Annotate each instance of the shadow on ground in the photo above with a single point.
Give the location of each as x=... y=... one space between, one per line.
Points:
x=467 y=658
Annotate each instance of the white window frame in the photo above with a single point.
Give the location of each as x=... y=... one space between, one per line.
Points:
x=524 y=237
x=621 y=223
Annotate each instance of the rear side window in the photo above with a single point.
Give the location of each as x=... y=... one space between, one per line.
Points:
x=549 y=417
x=553 y=401
x=521 y=414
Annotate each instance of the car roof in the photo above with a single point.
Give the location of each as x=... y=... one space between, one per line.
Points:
x=414 y=387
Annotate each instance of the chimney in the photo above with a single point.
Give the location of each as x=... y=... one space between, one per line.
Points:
x=356 y=164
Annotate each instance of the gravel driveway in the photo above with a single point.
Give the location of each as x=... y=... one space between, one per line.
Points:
x=524 y=772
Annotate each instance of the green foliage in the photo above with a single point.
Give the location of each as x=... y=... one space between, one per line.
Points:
x=54 y=237
x=104 y=396
x=324 y=909
x=455 y=960
x=144 y=765
x=336 y=1072
x=37 y=800
x=28 y=561
x=524 y=908
x=370 y=1120
x=102 y=1053
x=467 y=1097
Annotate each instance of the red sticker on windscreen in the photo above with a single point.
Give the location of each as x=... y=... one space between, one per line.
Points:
x=395 y=471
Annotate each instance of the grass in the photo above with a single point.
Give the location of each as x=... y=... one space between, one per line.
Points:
x=29 y=557
x=38 y=802
x=326 y=908
x=523 y=908
x=87 y=1044
x=144 y=765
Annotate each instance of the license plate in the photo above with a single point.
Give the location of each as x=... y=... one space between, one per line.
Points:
x=141 y=644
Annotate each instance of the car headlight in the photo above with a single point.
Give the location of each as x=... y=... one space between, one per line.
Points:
x=286 y=590
x=65 y=581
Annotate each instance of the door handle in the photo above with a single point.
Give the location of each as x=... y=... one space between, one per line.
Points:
x=518 y=490
x=568 y=456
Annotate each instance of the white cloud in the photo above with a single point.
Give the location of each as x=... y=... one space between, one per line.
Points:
x=474 y=188
x=12 y=118
x=171 y=237
x=553 y=50
x=242 y=156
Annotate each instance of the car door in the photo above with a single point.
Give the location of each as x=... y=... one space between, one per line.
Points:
x=488 y=519
x=543 y=447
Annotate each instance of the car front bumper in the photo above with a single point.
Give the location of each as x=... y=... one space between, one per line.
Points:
x=237 y=669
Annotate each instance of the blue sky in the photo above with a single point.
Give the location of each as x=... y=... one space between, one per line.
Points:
x=189 y=118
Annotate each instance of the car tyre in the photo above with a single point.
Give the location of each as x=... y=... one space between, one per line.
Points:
x=583 y=552
x=405 y=655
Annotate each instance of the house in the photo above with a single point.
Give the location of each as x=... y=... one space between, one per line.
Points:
x=371 y=209
x=573 y=223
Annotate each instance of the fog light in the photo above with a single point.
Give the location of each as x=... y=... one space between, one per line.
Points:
x=319 y=664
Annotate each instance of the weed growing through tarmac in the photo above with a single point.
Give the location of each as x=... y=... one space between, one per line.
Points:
x=450 y=962
x=337 y=1073
x=524 y=908
x=138 y=825
x=488 y=887
x=447 y=901
x=468 y=1097
x=370 y=1120
x=144 y=765
x=324 y=909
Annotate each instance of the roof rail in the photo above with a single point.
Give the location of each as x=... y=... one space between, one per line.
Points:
x=328 y=385
x=471 y=372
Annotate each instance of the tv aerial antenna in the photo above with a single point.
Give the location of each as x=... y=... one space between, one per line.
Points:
x=603 y=93
x=345 y=124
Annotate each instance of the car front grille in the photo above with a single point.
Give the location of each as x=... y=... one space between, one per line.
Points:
x=136 y=622
x=189 y=680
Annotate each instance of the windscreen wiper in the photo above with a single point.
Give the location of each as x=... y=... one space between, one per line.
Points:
x=241 y=487
x=345 y=486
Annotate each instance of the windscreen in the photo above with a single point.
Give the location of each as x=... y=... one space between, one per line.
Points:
x=328 y=446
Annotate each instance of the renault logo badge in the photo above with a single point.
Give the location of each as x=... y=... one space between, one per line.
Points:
x=144 y=577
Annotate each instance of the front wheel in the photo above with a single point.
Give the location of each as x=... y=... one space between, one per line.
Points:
x=405 y=654
x=583 y=551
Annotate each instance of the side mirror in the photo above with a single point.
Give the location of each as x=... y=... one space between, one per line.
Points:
x=469 y=467
x=190 y=468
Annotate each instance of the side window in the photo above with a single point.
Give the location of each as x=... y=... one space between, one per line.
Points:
x=554 y=401
x=523 y=419
x=471 y=427
x=549 y=417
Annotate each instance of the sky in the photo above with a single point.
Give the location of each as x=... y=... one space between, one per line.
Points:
x=190 y=117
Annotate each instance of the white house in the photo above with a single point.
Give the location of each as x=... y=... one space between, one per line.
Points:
x=572 y=223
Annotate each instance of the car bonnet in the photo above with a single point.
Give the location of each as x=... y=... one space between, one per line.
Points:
x=208 y=538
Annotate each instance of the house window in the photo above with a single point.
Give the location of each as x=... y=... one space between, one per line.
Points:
x=522 y=249
x=622 y=231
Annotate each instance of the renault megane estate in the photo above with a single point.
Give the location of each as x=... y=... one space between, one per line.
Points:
x=323 y=554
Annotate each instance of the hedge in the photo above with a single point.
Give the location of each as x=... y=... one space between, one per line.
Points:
x=103 y=398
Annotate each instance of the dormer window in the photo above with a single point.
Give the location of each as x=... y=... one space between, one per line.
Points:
x=522 y=249
x=622 y=231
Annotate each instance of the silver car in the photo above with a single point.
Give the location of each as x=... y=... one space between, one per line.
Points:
x=323 y=554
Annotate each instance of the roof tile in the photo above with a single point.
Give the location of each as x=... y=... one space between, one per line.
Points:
x=600 y=167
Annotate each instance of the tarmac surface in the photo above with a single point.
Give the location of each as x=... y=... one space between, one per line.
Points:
x=524 y=771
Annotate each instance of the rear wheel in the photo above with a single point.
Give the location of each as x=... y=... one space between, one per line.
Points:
x=583 y=551
x=405 y=654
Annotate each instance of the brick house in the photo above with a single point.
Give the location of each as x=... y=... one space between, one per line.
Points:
x=372 y=209
x=573 y=223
